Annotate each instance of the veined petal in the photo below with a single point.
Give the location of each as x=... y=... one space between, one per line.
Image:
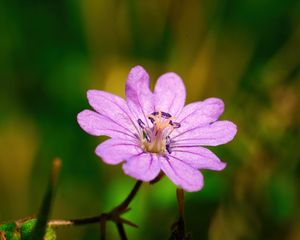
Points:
x=199 y=114
x=198 y=157
x=217 y=133
x=114 y=151
x=97 y=125
x=144 y=166
x=113 y=107
x=138 y=94
x=169 y=94
x=182 y=174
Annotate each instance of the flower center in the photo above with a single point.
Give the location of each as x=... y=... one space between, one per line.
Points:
x=156 y=139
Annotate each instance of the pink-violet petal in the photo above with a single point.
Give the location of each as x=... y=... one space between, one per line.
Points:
x=169 y=94
x=182 y=174
x=115 y=151
x=144 y=166
x=217 y=133
x=97 y=125
x=113 y=107
x=199 y=114
x=198 y=157
x=138 y=94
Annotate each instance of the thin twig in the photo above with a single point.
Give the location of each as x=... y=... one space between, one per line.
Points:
x=178 y=228
x=121 y=231
x=114 y=215
x=81 y=221
x=123 y=206
x=158 y=178
x=103 y=229
x=180 y=201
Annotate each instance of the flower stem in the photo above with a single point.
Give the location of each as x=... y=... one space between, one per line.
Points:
x=114 y=215
x=178 y=228
x=102 y=229
x=123 y=206
x=180 y=202
x=121 y=231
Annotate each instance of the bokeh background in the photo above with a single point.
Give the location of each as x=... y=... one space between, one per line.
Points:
x=245 y=52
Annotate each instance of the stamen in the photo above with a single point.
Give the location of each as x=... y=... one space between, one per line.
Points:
x=151 y=118
x=146 y=136
x=175 y=124
x=163 y=114
x=141 y=123
x=168 y=140
x=166 y=115
x=168 y=148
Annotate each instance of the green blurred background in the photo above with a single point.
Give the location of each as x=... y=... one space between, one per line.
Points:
x=245 y=52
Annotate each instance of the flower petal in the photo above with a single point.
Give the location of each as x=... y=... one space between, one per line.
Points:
x=112 y=107
x=97 y=125
x=169 y=94
x=143 y=167
x=138 y=95
x=200 y=113
x=198 y=157
x=182 y=174
x=217 y=133
x=114 y=151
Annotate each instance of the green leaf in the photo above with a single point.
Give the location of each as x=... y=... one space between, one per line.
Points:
x=27 y=230
x=8 y=231
x=8 y=227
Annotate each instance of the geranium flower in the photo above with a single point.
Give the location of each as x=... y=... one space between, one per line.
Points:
x=153 y=131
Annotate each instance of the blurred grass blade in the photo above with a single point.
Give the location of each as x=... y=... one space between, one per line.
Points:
x=43 y=216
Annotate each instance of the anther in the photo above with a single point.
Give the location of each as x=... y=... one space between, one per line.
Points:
x=146 y=136
x=141 y=123
x=154 y=113
x=168 y=142
x=168 y=148
x=163 y=114
x=151 y=119
x=166 y=115
x=175 y=124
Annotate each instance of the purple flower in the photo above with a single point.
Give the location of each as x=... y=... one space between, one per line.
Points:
x=153 y=131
